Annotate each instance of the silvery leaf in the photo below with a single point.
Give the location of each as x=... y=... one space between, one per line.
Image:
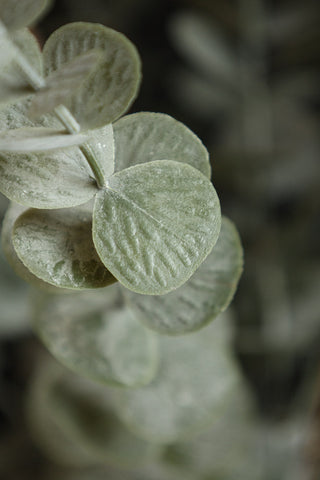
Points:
x=144 y=137
x=57 y=247
x=154 y=224
x=73 y=421
x=208 y=292
x=196 y=377
x=37 y=139
x=108 y=93
x=16 y=14
x=63 y=82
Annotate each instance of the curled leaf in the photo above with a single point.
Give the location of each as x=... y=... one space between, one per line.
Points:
x=154 y=225
x=144 y=137
x=108 y=93
x=208 y=292
x=57 y=247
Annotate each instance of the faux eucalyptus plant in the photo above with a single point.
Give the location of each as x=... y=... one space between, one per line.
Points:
x=97 y=200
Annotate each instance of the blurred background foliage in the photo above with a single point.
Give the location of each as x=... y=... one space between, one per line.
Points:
x=244 y=76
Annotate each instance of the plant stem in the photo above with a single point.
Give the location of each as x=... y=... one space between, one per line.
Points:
x=36 y=81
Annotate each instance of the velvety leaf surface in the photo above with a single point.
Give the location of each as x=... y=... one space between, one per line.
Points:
x=80 y=414
x=154 y=224
x=101 y=145
x=196 y=376
x=144 y=137
x=57 y=247
x=208 y=292
x=37 y=139
x=21 y=13
x=89 y=333
x=107 y=94
x=64 y=82
x=12 y=213
x=13 y=83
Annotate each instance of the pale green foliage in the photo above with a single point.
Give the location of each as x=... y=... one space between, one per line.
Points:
x=202 y=297
x=95 y=335
x=16 y=14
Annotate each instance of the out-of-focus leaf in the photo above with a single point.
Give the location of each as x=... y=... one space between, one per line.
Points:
x=93 y=336
x=37 y=139
x=154 y=225
x=12 y=213
x=107 y=94
x=13 y=83
x=63 y=82
x=16 y=14
x=80 y=414
x=200 y=41
x=57 y=247
x=14 y=301
x=144 y=137
x=196 y=377
x=208 y=292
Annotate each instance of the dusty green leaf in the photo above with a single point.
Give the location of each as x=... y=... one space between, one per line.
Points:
x=95 y=336
x=57 y=247
x=195 y=378
x=154 y=225
x=16 y=14
x=37 y=139
x=79 y=414
x=13 y=83
x=107 y=93
x=47 y=180
x=12 y=213
x=144 y=137
x=101 y=145
x=207 y=293
x=63 y=82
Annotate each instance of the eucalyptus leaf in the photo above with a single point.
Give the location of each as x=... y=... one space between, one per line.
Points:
x=16 y=14
x=108 y=93
x=64 y=82
x=208 y=292
x=13 y=83
x=101 y=146
x=144 y=137
x=37 y=139
x=80 y=413
x=154 y=225
x=195 y=380
x=57 y=247
x=47 y=180
x=12 y=213
x=94 y=336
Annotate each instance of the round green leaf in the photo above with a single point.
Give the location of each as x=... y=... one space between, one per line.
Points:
x=108 y=93
x=63 y=82
x=79 y=413
x=16 y=14
x=57 y=247
x=144 y=137
x=13 y=83
x=208 y=292
x=154 y=225
x=12 y=213
x=196 y=375
x=91 y=335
